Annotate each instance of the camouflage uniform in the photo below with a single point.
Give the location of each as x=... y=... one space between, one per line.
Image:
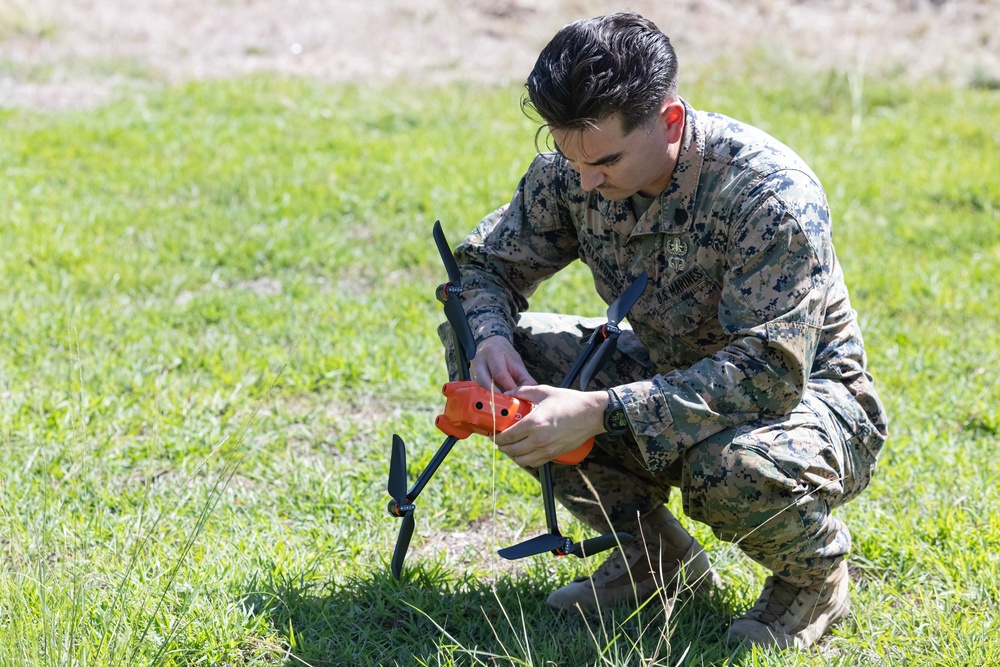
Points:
x=744 y=375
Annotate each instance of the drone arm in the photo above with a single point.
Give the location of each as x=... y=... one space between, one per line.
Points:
x=463 y=359
x=581 y=361
x=548 y=499
x=425 y=476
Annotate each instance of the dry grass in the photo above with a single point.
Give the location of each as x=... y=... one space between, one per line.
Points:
x=59 y=54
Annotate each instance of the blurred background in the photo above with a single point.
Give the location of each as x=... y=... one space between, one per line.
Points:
x=66 y=54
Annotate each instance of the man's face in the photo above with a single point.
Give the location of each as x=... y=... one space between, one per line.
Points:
x=619 y=165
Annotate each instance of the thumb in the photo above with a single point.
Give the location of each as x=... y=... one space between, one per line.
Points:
x=533 y=393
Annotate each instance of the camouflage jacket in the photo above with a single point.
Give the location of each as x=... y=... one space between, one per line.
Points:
x=746 y=304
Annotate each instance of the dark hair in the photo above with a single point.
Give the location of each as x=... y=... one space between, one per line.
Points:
x=619 y=64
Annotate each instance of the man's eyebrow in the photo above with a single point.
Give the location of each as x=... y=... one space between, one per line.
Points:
x=607 y=159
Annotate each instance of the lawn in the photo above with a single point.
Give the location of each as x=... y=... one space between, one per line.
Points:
x=219 y=309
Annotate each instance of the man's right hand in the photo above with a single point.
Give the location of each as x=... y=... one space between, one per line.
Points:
x=498 y=365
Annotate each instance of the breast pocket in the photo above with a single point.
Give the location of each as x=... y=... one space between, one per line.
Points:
x=688 y=302
x=686 y=314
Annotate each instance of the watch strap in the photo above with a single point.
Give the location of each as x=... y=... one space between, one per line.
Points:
x=615 y=421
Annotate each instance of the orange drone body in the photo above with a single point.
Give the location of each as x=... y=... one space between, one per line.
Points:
x=471 y=409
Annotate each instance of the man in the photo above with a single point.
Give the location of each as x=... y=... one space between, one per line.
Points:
x=743 y=379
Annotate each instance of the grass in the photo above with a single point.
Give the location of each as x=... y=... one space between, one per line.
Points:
x=25 y=18
x=219 y=308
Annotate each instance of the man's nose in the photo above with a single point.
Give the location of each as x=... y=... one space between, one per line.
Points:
x=591 y=179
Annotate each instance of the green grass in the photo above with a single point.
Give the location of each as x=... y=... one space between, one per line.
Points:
x=219 y=308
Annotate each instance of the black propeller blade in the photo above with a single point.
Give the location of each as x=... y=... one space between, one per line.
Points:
x=397 y=471
x=619 y=309
x=448 y=295
x=616 y=313
x=534 y=546
x=399 y=506
x=604 y=352
x=450 y=265
x=564 y=546
x=402 y=544
x=455 y=313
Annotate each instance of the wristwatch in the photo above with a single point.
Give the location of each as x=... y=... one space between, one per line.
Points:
x=615 y=420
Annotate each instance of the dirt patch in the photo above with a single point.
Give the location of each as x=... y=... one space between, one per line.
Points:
x=474 y=547
x=62 y=54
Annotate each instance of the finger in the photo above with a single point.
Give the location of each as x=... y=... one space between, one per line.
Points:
x=518 y=371
x=482 y=373
x=531 y=459
x=479 y=372
x=526 y=460
x=509 y=437
x=523 y=378
x=502 y=377
x=502 y=439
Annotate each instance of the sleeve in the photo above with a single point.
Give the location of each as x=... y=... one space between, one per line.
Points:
x=779 y=264
x=517 y=247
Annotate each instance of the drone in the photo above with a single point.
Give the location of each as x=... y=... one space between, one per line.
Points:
x=470 y=409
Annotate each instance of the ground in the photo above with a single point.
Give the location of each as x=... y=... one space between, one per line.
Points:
x=63 y=54
x=69 y=54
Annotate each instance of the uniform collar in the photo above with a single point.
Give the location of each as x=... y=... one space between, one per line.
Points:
x=674 y=207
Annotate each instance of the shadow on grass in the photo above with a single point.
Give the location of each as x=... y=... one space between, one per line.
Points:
x=433 y=618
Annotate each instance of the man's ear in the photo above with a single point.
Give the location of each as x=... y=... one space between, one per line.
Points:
x=672 y=113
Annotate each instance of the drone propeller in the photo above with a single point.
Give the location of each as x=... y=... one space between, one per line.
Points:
x=616 y=313
x=564 y=546
x=534 y=546
x=448 y=295
x=397 y=472
x=400 y=505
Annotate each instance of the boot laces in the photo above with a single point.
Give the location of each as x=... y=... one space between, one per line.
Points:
x=629 y=558
x=782 y=596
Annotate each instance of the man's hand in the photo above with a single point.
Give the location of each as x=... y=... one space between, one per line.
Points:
x=498 y=365
x=560 y=421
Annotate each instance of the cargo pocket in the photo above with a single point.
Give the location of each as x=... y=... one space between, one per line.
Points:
x=861 y=442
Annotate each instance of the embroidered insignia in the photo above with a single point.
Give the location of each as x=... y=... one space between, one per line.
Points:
x=677 y=247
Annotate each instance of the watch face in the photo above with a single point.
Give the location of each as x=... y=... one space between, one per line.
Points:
x=617 y=420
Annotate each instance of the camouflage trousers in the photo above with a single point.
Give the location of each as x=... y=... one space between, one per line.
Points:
x=768 y=486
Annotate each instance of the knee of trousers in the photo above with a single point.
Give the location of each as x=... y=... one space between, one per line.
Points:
x=738 y=490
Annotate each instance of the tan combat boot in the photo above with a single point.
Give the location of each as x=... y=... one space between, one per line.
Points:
x=664 y=555
x=788 y=616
